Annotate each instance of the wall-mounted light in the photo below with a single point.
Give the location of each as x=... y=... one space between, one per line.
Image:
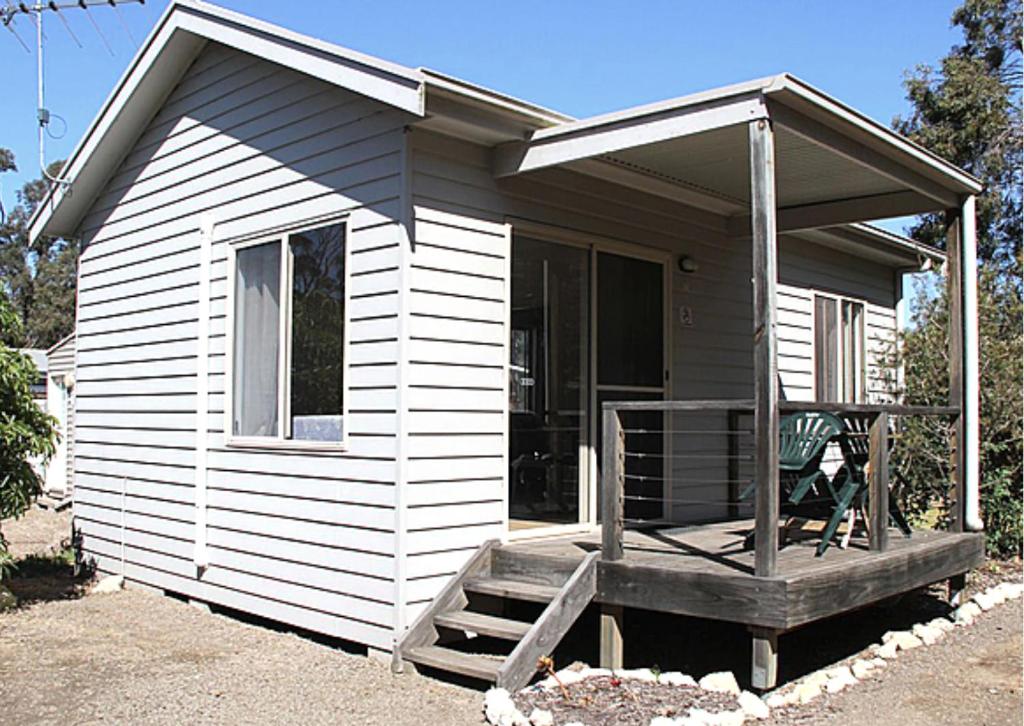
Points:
x=687 y=264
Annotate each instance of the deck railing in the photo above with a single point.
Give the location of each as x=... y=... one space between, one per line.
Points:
x=703 y=466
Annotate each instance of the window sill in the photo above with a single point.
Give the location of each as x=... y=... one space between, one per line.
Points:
x=269 y=444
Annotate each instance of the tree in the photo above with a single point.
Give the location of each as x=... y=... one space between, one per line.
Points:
x=27 y=434
x=969 y=111
x=39 y=278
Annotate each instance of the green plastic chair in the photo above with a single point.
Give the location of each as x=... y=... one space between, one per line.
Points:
x=803 y=438
x=858 y=435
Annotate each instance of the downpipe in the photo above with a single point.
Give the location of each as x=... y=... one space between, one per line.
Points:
x=971 y=410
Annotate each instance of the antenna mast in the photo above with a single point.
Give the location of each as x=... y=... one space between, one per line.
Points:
x=9 y=12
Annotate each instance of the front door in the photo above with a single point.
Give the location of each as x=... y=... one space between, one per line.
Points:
x=562 y=366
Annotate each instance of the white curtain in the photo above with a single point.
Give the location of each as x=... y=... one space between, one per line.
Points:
x=256 y=339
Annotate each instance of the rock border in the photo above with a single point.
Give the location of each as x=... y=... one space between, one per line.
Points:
x=500 y=710
x=834 y=679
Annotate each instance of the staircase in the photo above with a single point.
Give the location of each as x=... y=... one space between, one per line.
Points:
x=438 y=637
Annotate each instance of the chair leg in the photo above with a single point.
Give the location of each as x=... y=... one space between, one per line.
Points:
x=846 y=495
x=845 y=541
x=897 y=516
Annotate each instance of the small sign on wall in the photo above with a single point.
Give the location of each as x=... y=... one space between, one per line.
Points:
x=686 y=316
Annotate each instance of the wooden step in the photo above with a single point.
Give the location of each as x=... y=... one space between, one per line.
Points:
x=475 y=666
x=512 y=589
x=483 y=624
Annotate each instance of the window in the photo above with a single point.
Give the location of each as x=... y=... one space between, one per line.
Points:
x=288 y=347
x=839 y=366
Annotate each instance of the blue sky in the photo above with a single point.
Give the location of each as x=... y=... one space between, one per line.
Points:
x=578 y=56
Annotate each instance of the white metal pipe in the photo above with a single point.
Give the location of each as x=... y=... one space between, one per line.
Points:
x=972 y=439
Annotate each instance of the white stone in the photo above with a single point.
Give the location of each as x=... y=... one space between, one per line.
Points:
x=861 y=669
x=886 y=650
x=109 y=584
x=540 y=717
x=928 y=634
x=806 y=691
x=997 y=594
x=779 y=700
x=568 y=677
x=723 y=682
x=966 y=613
x=878 y=662
x=1013 y=590
x=675 y=678
x=904 y=639
x=943 y=624
x=818 y=678
x=595 y=672
x=843 y=678
x=984 y=600
x=573 y=723
x=754 y=706
x=501 y=711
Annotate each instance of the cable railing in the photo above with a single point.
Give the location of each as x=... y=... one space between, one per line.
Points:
x=671 y=463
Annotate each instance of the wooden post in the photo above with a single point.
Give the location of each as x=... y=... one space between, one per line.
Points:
x=733 y=452
x=611 y=636
x=954 y=283
x=878 y=496
x=613 y=472
x=766 y=392
x=764 y=669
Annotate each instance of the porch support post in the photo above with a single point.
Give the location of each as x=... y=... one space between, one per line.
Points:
x=611 y=636
x=764 y=668
x=766 y=392
x=971 y=383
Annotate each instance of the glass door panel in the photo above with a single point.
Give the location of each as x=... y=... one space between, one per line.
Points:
x=548 y=382
x=631 y=367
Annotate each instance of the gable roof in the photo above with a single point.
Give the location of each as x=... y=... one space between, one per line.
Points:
x=179 y=35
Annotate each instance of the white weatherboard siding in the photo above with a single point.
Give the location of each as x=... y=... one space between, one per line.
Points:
x=305 y=538
x=804 y=268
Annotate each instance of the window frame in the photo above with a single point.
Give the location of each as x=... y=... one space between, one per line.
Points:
x=860 y=383
x=280 y=441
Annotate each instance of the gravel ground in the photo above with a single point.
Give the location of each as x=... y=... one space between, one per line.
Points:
x=136 y=657
x=972 y=676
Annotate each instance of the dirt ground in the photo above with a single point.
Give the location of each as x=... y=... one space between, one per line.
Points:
x=137 y=657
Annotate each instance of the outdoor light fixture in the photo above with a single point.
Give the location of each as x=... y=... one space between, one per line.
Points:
x=687 y=264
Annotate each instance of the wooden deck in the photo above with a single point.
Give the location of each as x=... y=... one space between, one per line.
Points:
x=703 y=571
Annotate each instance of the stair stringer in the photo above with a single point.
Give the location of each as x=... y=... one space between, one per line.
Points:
x=452 y=597
x=552 y=625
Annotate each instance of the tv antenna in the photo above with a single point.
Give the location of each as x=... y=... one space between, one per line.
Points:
x=35 y=12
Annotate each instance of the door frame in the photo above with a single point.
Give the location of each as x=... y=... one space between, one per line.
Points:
x=595 y=244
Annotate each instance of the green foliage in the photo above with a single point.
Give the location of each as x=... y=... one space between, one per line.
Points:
x=38 y=278
x=923 y=446
x=968 y=110
x=27 y=433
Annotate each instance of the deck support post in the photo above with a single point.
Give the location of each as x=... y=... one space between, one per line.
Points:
x=878 y=496
x=954 y=279
x=764 y=669
x=766 y=391
x=611 y=636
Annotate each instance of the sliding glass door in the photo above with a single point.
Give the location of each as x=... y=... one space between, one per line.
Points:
x=548 y=382
x=587 y=326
